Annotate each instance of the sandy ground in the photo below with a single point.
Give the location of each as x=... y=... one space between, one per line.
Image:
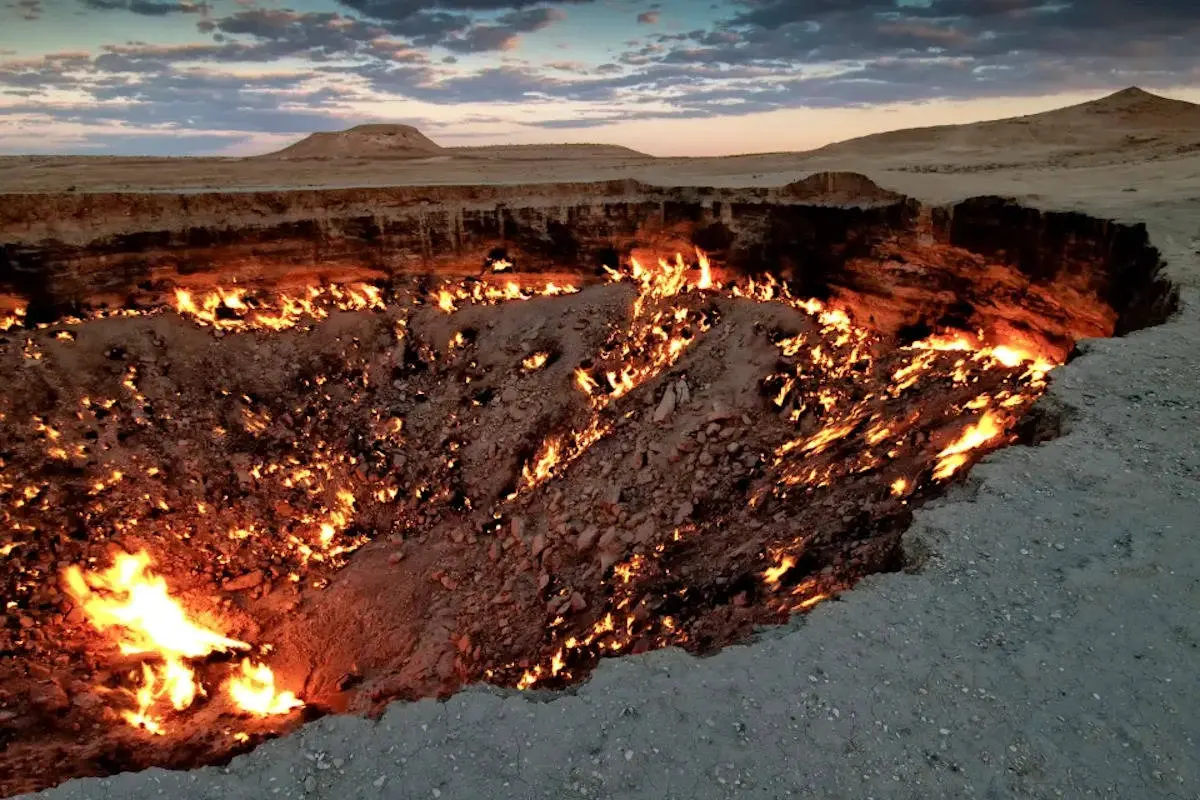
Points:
x=1027 y=171
x=1045 y=645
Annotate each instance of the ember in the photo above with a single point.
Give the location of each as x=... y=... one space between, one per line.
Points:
x=411 y=487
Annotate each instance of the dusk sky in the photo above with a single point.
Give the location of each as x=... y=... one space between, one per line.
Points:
x=675 y=77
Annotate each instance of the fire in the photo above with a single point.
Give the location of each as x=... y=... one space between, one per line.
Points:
x=585 y=382
x=535 y=362
x=239 y=309
x=544 y=465
x=660 y=330
x=130 y=597
x=774 y=575
x=135 y=606
x=254 y=691
x=953 y=457
x=1008 y=355
x=705 y=281
x=12 y=319
x=134 y=603
x=449 y=296
x=805 y=605
x=946 y=342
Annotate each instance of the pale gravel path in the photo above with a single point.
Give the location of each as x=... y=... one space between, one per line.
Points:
x=1049 y=648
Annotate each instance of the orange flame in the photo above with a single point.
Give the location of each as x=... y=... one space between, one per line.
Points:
x=584 y=381
x=773 y=575
x=535 y=362
x=543 y=467
x=254 y=691
x=705 y=281
x=130 y=597
x=133 y=603
x=449 y=295
x=235 y=310
x=1007 y=355
x=975 y=436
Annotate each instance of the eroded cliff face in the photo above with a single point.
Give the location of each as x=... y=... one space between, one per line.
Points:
x=1043 y=279
x=1115 y=262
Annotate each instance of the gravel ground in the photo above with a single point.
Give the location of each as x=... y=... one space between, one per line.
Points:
x=1047 y=645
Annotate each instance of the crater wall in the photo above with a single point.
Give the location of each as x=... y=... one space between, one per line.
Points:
x=904 y=268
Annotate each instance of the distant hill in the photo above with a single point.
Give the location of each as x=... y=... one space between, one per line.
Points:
x=363 y=141
x=1129 y=119
x=406 y=142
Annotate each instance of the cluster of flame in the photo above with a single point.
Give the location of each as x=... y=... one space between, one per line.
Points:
x=128 y=601
x=237 y=309
x=450 y=296
x=653 y=343
x=132 y=603
x=12 y=319
x=659 y=331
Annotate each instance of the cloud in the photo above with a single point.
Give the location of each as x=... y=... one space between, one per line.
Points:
x=28 y=10
x=649 y=17
x=504 y=33
x=577 y=67
x=574 y=123
x=199 y=101
x=398 y=10
x=284 y=33
x=451 y=24
x=164 y=144
x=149 y=8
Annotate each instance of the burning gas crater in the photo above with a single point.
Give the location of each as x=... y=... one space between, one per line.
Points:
x=663 y=457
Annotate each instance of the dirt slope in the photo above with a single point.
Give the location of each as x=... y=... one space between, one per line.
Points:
x=1131 y=120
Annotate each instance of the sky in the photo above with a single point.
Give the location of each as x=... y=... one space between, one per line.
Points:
x=673 y=77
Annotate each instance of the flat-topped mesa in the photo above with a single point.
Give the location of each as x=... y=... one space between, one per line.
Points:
x=898 y=266
x=386 y=141
x=363 y=141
